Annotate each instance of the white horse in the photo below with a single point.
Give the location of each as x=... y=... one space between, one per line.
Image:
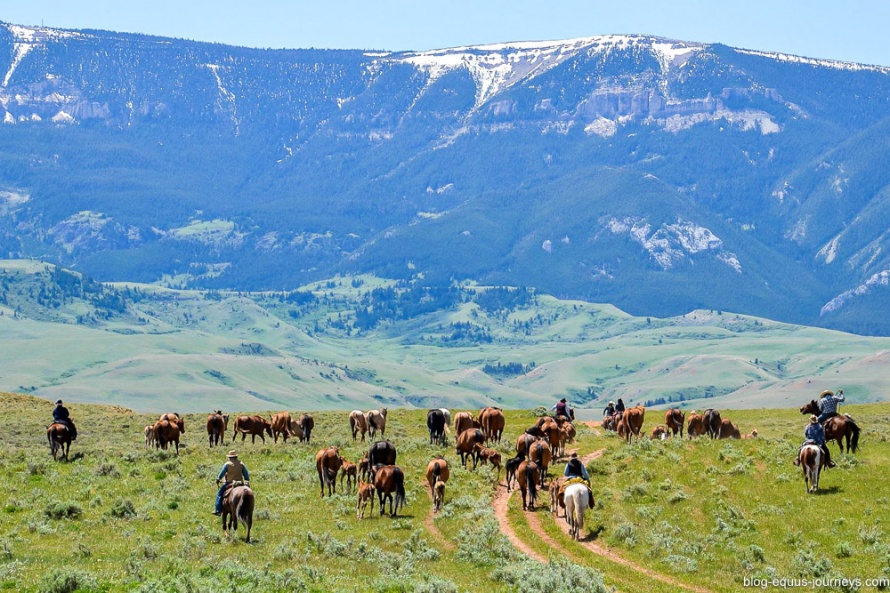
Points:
x=376 y=421
x=576 y=501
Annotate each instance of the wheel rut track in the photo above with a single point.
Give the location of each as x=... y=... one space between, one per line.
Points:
x=501 y=502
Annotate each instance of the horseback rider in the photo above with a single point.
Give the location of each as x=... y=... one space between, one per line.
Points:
x=561 y=408
x=609 y=410
x=233 y=471
x=62 y=416
x=619 y=407
x=814 y=434
x=828 y=404
x=576 y=469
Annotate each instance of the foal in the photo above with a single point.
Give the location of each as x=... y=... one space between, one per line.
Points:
x=349 y=471
x=365 y=495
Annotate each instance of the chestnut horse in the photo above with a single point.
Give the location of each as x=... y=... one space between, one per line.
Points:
x=696 y=425
x=528 y=475
x=237 y=505
x=674 y=419
x=59 y=437
x=541 y=453
x=837 y=428
x=437 y=474
x=389 y=479
x=327 y=464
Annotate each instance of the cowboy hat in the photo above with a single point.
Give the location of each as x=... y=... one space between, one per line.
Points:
x=563 y=400
x=232 y=453
x=59 y=403
x=813 y=419
x=826 y=392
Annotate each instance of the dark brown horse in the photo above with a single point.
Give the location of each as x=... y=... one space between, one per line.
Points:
x=389 y=480
x=59 y=437
x=237 y=505
x=217 y=424
x=674 y=419
x=838 y=428
x=528 y=475
x=307 y=423
x=711 y=420
x=327 y=464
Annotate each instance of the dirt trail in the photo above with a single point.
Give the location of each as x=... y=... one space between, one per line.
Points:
x=430 y=522
x=501 y=504
x=534 y=522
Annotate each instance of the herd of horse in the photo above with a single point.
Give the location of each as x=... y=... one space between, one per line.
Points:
x=376 y=473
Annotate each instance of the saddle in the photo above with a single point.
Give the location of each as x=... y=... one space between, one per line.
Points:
x=560 y=494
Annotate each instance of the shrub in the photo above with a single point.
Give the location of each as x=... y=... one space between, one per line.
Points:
x=123 y=509
x=557 y=575
x=62 y=510
x=65 y=580
x=843 y=550
x=625 y=533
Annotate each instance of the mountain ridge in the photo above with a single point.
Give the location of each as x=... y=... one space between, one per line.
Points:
x=136 y=157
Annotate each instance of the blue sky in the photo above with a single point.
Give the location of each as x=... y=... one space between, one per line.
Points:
x=851 y=30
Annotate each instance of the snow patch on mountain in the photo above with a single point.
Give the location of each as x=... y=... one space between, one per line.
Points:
x=881 y=279
x=835 y=64
x=671 y=243
x=226 y=101
x=829 y=252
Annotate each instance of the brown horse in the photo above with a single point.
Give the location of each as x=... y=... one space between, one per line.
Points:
x=175 y=418
x=281 y=423
x=166 y=432
x=365 y=495
x=389 y=480
x=464 y=421
x=358 y=423
x=327 y=464
x=659 y=433
x=487 y=455
x=511 y=466
x=541 y=454
x=696 y=425
x=437 y=474
x=217 y=425
x=728 y=430
x=811 y=461
x=524 y=441
x=237 y=505
x=633 y=419
x=253 y=426
x=349 y=471
x=59 y=437
x=307 y=423
x=711 y=420
x=674 y=419
x=837 y=428
x=528 y=475
x=493 y=423
x=465 y=446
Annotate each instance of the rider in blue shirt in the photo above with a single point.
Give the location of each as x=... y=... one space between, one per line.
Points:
x=815 y=434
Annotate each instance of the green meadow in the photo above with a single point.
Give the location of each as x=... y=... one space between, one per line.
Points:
x=707 y=514
x=153 y=348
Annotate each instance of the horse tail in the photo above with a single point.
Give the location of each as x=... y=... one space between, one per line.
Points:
x=854 y=442
x=244 y=509
x=437 y=470
x=400 y=490
x=532 y=488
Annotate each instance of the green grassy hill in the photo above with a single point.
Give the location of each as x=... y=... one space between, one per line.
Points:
x=365 y=341
x=706 y=514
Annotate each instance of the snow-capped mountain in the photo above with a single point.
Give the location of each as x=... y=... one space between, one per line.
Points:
x=656 y=174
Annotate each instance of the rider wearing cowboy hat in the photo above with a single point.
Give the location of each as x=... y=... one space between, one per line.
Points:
x=815 y=434
x=828 y=404
x=233 y=471
x=62 y=416
x=610 y=409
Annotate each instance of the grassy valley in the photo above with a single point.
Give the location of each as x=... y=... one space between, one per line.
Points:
x=365 y=341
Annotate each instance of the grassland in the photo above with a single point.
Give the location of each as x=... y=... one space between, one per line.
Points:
x=708 y=514
x=196 y=351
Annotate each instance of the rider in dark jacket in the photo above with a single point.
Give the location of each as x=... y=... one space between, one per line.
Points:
x=62 y=416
